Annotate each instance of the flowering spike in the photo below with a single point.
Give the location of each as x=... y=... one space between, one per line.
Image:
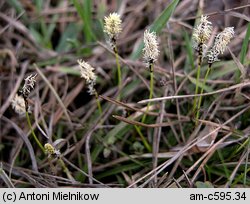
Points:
x=112 y=26
x=29 y=84
x=150 y=50
x=18 y=104
x=201 y=34
x=220 y=43
x=87 y=72
x=50 y=150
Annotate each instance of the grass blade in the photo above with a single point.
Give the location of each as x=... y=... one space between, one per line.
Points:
x=69 y=33
x=189 y=50
x=243 y=51
x=245 y=45
x=84 y=11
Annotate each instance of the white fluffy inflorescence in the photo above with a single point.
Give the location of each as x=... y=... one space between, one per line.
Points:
x=87 y=72
x=18 y=104
x=220 y=43
x=201 y=34
x=150 y=50
x=29 y=84
x=112 y=25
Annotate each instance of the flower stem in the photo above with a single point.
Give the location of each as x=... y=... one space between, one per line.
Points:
x=119 y=74
x=143 y=139
x=98 y=102
x=65 y=169
x=33 y=133
x=202 y=89
x=197 y=83
x=151 y=67
x=151 y=84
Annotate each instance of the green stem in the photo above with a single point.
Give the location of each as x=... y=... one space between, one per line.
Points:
x=98 y=102
x=151 y=67
x=143 y=139
x=119 y=74
x=65 y=169
x=197 y=86
x=33 y=133
x=245 y=169
x=200 y=98
x=151 y=84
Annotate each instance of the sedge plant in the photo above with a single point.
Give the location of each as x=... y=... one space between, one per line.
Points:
x=21 y=105
x=87 y=72
x=201 y=34
x=220 y=43
x=150 y=55
x=112 y=26
x=51 y=151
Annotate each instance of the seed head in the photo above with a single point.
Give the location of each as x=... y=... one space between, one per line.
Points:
x=29 y=84
x=150 y=50
x=112 y=26
x=87 y=72
x=18 y=104
x=201 y=34
x=220 y=43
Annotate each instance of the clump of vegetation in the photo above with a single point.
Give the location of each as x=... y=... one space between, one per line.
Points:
x=78 y=111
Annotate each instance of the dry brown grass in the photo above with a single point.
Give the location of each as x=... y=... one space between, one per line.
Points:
x=105 y=150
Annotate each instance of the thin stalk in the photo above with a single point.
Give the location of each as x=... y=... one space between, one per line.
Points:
x=65 y=169
x=98 y=102
x=143 y=139
x=246 y=169
x=151 y=85
x=119 y=74
x=138 y=129
x=33 y=133
x=196 y=85
x=151 y=67
x=52 y=167
x=200 y=97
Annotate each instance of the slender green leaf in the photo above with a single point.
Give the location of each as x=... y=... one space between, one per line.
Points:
x=205 y=184
x=69 y=33
x=245 y=45
x=37 y=35
x=246 y=164
x=17 y=5
x=243 y=52
x=189 y=50
x=221 y=156
x=119 y=169
x=48 y=31
x=220 y=69
x=207 y=88
x=161 y=21
x=84 y=11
